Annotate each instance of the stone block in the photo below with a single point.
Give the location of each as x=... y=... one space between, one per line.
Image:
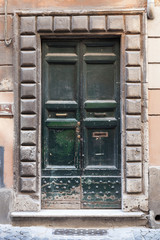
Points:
x=154 y=75
x=133 y=24
x=133 y=154
x=62 y=24
x=97 y=23
x=80 y=23
x=133 y=58
x=28 y=184
x=28 y=122
x=28 y=58
x=153 y=50
x=28 y=42
x=154 y=195
x=115 y=23
x=6 y=78
x=28 y=25
x=28 y=137
x=28 y=153
x=28 y=75
x=28 y=90
x=133 y=42
x=5 y=206
x=44 y=24
x=133 y=138
x=133 y=90
x=28 y=106
x=6 y=54
x=133 y=106
x=9 y=26
x=134 y=185
x=28 y=169
x=133 y=74
x=154 y=143
x=134 y=169
x=154 y=98
x=133 y=122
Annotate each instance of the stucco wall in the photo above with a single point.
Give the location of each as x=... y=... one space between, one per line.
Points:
x=154 y=87
x=70 y=4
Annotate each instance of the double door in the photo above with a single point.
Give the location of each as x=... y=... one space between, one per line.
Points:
x=81 y=124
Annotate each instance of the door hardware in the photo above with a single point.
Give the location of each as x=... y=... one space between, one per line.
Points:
x=61 y=114
x=100 y=134
x=100 y=114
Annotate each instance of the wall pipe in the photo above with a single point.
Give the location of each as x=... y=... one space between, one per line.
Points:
x=150 y=9
x=6 y=40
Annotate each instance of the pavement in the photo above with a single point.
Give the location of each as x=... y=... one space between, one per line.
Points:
x=8 y=232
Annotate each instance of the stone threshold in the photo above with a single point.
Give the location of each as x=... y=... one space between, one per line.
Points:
x=78 y=214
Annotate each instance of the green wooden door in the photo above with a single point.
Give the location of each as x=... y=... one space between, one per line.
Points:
x=81 y=124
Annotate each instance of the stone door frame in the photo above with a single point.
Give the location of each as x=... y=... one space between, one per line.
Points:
x=29 y=28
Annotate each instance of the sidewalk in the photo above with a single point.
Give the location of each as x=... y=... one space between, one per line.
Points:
x=7 y=232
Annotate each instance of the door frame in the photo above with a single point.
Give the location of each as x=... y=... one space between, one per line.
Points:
x=27 y=92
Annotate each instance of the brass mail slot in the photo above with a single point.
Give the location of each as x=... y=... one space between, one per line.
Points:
x=61 y=114
x=100 y=134
x=100 y=114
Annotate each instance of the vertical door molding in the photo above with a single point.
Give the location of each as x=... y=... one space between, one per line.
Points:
x=28 y=28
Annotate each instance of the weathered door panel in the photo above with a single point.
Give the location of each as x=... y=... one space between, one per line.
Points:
x=81 y=129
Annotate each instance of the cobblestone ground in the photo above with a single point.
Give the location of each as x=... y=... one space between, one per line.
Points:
x=7 y=232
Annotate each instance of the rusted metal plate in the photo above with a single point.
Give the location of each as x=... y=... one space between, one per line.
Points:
x=104 y=192
x=6 y=109
x=61 y=192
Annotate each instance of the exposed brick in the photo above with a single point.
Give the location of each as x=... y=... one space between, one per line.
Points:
x=28 y=153
x=28 y=58
x=133 y=154
x=133 y=138
x=6 y=78
x=9 y=27
x=115 y=23
x=134 y=185
x=133 y=106
x=134 y=170
x=28 y=106
x=28 y=42
x=80 y=23
x=6 y=54
x=28 y=185
x=62 y=24
x=133 y=122
x=28 y=25
x=133 y=90
x=44 y=24
x=28 y=90
x=133 y=42
x=133 y=24
x=28 y=75
x=28 y=169
x=28 y=122
x=133 y=58
x=28 y=137
x=133 y=74
x=97 y=23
